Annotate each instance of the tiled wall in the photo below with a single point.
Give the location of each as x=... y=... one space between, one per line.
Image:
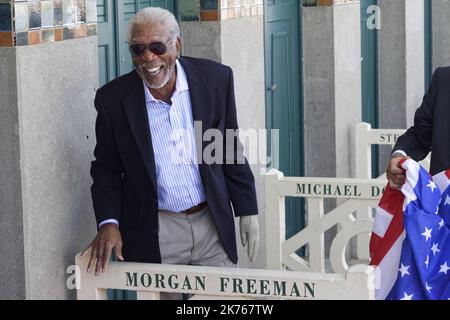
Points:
x=199 y=10
x=28 y=22
x=32 y=22
x=232 y=9
x=213 y=10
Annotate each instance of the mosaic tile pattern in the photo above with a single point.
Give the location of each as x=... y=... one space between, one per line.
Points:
x=21 y=38
x=57 y=13
x=40 y=21
x=190 y=10
x=208 y=5
x=34 y=15
x=199 y=10
x=333 y=2
x=21 y=17
x=6 y=39
x=5 y=17
x=309 y=3
x=209 y=10
x=232 y=9
x=47 y=16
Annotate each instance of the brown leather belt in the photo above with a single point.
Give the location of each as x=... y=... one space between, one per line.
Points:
x=195 y=209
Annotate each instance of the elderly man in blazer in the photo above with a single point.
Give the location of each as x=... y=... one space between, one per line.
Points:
x=149 y=207
x=431 y=132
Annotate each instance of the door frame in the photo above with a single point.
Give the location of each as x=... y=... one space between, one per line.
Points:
x=369 y=82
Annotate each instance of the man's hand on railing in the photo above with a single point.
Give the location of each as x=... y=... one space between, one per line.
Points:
x=394 y=172
x=108 y=238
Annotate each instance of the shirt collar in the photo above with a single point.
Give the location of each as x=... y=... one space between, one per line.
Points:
x=180 y=85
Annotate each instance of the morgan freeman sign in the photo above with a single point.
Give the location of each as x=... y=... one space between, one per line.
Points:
x=227 y=285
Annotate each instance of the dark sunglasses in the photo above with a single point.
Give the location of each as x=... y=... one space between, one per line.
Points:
x=158 y=48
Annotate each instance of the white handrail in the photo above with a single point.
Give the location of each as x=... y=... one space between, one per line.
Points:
x=365 y=137
x=281 y=253
x=224 y=283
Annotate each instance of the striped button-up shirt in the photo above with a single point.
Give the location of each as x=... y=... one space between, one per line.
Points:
x=173 y=138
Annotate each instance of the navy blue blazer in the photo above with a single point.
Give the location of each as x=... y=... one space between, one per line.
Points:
x=124 y=174
x=431 y=129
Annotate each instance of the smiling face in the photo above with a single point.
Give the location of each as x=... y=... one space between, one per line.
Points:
x=156 y=70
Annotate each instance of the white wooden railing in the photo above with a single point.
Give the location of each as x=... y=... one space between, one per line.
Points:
x=307 y=278
x=223 y=283
x=365 y=137
x=357 y=194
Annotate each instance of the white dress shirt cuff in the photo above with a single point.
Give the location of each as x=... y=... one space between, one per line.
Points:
x=108 y=221
x=399 y=151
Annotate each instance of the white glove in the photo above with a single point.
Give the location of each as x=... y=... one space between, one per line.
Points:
x=249 y=229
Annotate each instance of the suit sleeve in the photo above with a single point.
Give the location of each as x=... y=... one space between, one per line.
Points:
x=238 y=175
x=106 y=169
x=416 y=142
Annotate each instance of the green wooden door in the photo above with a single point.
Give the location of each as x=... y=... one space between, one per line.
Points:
x=284 y=98
x=369 y=76
x=113 y=17
x=106 y=28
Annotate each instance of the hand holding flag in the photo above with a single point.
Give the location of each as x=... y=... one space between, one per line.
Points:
x=410 y=243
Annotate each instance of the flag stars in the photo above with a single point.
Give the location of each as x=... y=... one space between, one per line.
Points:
x=427 y=233
x=434 y=248
x=406 y=296
x=427 y=261
x=441 y=224
x=447 y=201
x=404 y=270
x=432 y=186
x=428 y=287
x=444 y=268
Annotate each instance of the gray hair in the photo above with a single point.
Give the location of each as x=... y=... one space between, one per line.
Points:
x=155 y=15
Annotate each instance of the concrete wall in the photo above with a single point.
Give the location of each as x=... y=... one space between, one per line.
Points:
x=201 y=39
x=12 y=281
x=415 y=56
x=319 y=98
x=392 y=71
x=332 y=87
x=401 y=62
x=332 y=92
x=401 y=65
x=319 y=88
x=441 y=33
x=242 y=48
x=56 y=83
x=347 y=79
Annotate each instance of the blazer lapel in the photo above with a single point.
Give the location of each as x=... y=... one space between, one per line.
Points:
x=136 y=111
x=197 y=92
x=199 y=102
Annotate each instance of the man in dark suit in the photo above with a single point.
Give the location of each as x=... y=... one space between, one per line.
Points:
x=156 y=208
x=431 y=132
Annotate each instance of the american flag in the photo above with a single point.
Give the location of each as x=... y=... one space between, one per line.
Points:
x=410 y=242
